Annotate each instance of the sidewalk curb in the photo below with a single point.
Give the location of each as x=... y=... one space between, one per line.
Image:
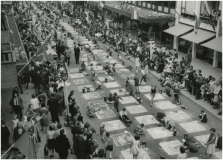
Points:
x=182 y=93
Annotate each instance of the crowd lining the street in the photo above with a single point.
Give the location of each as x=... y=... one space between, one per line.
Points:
x=46 y=78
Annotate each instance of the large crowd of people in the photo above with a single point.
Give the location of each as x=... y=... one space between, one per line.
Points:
x=46 y=77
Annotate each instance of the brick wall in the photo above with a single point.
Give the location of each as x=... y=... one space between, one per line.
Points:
x=8 y=75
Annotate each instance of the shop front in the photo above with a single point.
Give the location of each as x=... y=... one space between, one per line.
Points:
x=211 y=48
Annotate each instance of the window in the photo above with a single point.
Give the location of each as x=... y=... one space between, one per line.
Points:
x=213 y=5
x=148 y=5
x=143 y=4
x=139 y=3
x=190 y=7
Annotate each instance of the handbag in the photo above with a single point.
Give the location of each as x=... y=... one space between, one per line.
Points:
x=46 y=152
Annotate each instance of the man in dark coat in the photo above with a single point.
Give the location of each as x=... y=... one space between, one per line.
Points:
x=81 y=145
x=77 y=53
x=4 y=135
x=53 y=108
x=189 y=57
x=62 y=145
x=18 y=131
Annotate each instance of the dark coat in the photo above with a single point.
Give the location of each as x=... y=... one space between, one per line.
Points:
x=62 y=144
x=77 y=51
x=81 y=146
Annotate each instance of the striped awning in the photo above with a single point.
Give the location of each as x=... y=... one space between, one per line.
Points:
x=215 y=44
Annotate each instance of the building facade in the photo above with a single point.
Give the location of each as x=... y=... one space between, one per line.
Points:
x=178 y=32
x=204 y=43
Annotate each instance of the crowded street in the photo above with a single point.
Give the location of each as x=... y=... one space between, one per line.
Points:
x=88 y=95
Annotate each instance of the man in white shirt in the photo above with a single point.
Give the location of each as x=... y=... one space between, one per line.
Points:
x=123 y=115
x=143 y=75
x=35 y=103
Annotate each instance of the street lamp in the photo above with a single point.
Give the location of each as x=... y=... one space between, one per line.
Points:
x=64 y=77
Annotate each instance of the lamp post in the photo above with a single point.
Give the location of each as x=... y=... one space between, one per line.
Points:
x=64 y=77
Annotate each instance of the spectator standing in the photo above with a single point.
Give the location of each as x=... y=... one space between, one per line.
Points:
x=18 y=131
x=189 y=57
x=77 y=53
x=210 y=145
x=53 y=108
x=109 y=145
x=4 y=135
x=135 y=145
x=62 y=145
x=59 y=96
x=116 y=101
x=3 y=21
x=50 y=141
x=35 y=103
x=81 y=145
x=67 y=54
x=17 y=105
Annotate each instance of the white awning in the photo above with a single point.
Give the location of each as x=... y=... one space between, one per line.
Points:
x=201 y=36
x=178 y=29
x=215 y=44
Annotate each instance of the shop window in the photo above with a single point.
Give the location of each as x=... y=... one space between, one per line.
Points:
x=143 y=4
x=190 y=7
x=139 y=3
x=184 y=45
x=148 y=5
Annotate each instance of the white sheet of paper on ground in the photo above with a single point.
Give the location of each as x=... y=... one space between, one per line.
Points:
x=96 y=68
x=73 y=70
x=112 y=61
x=192 y=158
x=91 y=95
x=135 y=109
x=76 y=75
x=144 y=89
x=101 y=73
x=99 y=104
x=81 y=81
x=83 y=59
x=203 y=138
x=157 y=96
x=62 y=84
x=146 y=119
x=123 y=70
x=127 y=100
x=192 y=127
x=142 y=154
x=102 y=79
x=125 y=75
x=177 y=116
x=113 y=125
x=218 y=155
x=83 y=55
x=86 y=85
x=171 y=147
x=107 y=113
x=122 y=138
x=118 y=65
x=96 y=51
x=165 y=105
x=120 y=91
x=102 y=54
x=159 y=132
x=103 y=57
x=112 y=84
x=86 y=42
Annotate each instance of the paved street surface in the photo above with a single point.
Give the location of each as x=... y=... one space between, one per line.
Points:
x=159 y=141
